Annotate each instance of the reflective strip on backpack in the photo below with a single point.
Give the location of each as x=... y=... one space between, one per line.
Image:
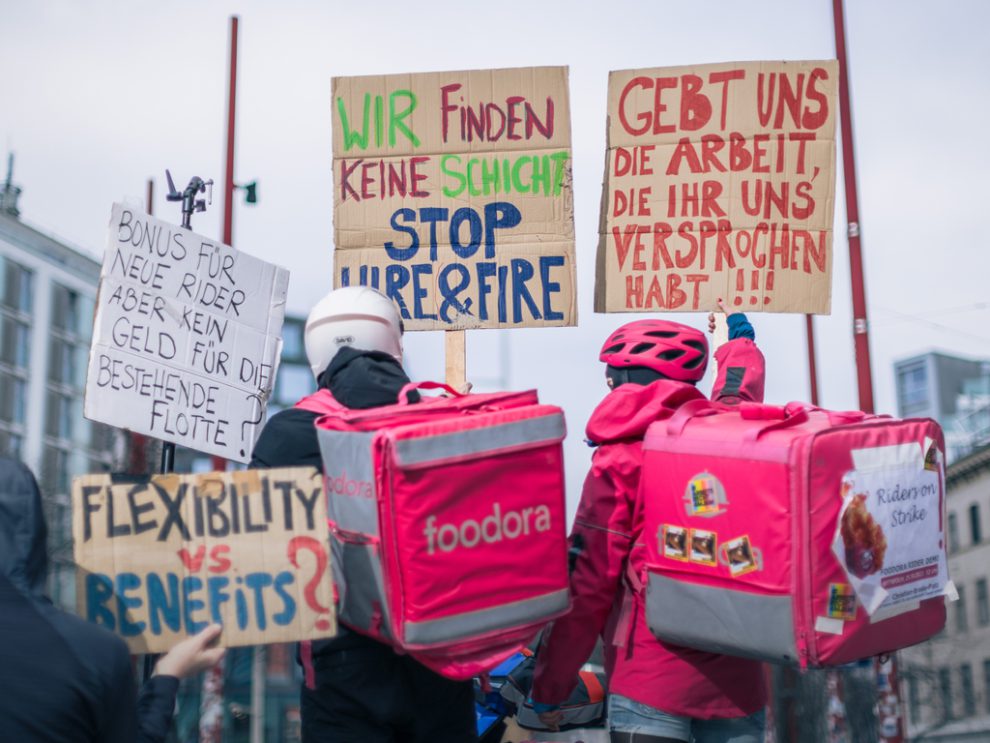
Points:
x=349 y=479
x=697 y=616
x=357 y=573
x=481 y=621
x=429 y=450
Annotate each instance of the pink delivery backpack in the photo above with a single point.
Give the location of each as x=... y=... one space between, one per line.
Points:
x=794 y=534
x=447 y=523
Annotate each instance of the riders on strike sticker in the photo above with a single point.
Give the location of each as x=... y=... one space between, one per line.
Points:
x=889 y=534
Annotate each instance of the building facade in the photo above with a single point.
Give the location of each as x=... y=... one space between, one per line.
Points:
x=946 y=680
x=952 y=390
x=47 y=295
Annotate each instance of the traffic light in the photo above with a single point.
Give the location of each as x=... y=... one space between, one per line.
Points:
x=250 y=192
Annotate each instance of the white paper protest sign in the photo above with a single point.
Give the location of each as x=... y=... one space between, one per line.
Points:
x=186 y=337
x=889 y=537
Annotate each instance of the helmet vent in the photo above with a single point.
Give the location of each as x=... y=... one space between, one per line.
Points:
x=614 y=349
x=641 y=347
x=661 y=334
x=670 y=354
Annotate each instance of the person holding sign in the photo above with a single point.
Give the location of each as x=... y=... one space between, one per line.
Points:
x=63 y=679
x=658 y=692
x=358 y=690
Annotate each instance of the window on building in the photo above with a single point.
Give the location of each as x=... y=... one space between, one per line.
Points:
x=912 y=387
x=968 y=697
x=953 y=533
x=982 y=605
x=986 y=684
x=974 y=523
x=292 y=341
x=294 y=383
x=55 y=471
x=15 y=345
x=17 y=287
x=945 y=692
x=961 y=623
x=914 y=701
x=59 y=416
x=101 y=437
x=65 y=309
x=13 y=399
x=61 y=361
x=10 y=444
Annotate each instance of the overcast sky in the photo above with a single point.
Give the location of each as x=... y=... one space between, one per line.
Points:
x=97 y=97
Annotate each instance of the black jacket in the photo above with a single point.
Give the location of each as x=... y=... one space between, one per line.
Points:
x=363 y=690
x=62 y=679
x=357 y=379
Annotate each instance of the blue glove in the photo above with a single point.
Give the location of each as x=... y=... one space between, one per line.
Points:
x=740 y=327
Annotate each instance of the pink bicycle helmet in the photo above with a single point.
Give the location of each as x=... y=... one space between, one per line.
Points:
x=674 y=350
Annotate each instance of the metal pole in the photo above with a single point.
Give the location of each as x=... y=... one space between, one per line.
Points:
x=812 y=365
x=228 y=182
x=211 y=704
x=258 y=695
x=860 y=326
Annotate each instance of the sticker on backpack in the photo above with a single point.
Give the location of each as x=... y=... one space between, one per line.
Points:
x=841 y=601
x=703 y=547
x=705 y=496
x=740 y=556
x=889 y=535
x=673 y=542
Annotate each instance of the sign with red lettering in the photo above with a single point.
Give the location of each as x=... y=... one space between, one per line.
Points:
x=160 y=558
x=719 y=183
x=452 y=195
x=186 y=337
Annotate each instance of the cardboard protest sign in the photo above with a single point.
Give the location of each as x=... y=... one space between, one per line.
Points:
x=452 y=195
x=719 y=182
x=186 y=337
x=160 y=558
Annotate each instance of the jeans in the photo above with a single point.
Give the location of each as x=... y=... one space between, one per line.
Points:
x=628 y=716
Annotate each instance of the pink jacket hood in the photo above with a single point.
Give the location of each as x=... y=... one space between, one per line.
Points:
x=628 y=411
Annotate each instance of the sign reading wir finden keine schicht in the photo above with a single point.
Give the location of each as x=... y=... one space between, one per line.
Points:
x=452 y=195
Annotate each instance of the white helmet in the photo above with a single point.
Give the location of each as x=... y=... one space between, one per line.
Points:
x=355 y=316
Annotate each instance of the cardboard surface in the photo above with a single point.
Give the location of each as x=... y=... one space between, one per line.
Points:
x=159 y=558
x=719 y=182
x=452 y=195
x=186 y=337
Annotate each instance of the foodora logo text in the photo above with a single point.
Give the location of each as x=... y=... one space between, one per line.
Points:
x=493 y=528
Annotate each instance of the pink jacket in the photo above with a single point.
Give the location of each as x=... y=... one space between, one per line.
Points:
x=609 y=521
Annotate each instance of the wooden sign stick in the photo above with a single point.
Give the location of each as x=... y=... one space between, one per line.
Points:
x=455 y=355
